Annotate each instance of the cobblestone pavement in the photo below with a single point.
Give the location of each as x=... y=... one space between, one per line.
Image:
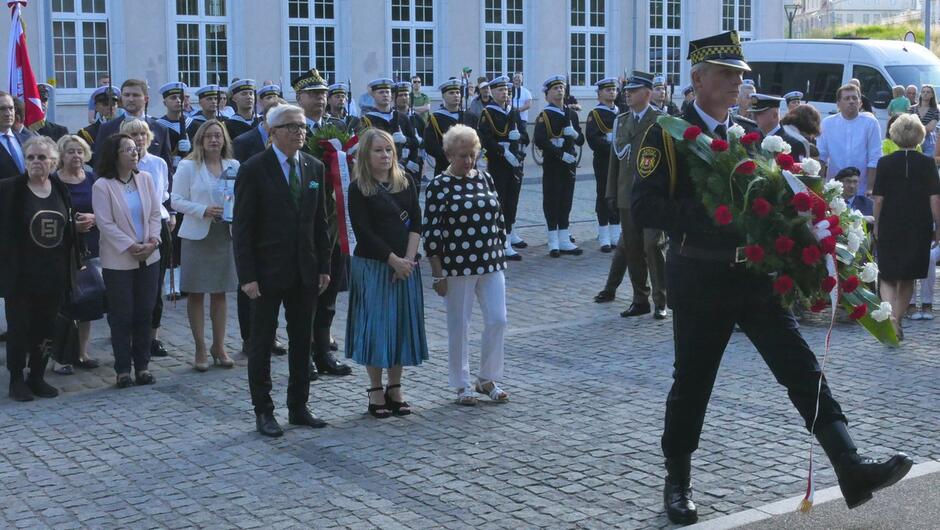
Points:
x=577 y=447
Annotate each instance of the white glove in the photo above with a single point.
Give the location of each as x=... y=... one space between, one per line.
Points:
x=511 y=158
x=405 y=152
x=569 y=132
x=610 y=137
x=420 y=140
x=184 y=146
x=514 y=135
x=399 y=137
x=568 y=158
x=411 y=166
x=557 y=142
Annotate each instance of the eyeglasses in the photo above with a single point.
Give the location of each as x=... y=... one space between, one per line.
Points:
x=129 y=150
x=293 y=127
x=41 y=158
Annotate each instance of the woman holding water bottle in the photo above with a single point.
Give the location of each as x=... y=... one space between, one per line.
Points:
x=202 y=185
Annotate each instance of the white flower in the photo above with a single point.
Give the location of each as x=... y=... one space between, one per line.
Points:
x=882 y=313
x=812 y=168
x=786 y=148
x=838 y=205
x=735 y=131
x=832 y=185
x=854 y=241
x=772 y=144
x=869 y=272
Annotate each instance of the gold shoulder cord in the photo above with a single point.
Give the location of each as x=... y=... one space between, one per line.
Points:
x=600 y=122
x=367 y=121
x=86 y=136
x=548 y=126
x=437 y=127
x=501 y=133
x=670 y=148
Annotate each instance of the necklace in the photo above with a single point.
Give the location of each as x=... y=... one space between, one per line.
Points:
x=130 y=186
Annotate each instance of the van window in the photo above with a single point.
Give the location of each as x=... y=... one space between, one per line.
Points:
x=874 y=86
x=917 y=75
x=817 y=81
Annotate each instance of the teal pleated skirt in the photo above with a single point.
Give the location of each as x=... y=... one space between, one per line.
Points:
x=385 y=326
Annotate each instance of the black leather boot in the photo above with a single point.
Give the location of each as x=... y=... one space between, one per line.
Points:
x=859 y=477
x=677 y=493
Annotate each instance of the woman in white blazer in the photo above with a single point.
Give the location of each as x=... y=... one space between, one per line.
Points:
x=207 y=259
x=127 y=212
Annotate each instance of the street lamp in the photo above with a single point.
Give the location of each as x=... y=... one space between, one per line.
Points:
x=791 y=10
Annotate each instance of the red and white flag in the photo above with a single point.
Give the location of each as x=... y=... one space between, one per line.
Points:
x=22 y=80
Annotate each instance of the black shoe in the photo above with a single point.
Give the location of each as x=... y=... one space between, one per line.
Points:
x=124 y=381
x=572 y=252
x=328 y=365
x=635 y=309
x=305 y=417
x=604 y=296
x=278 y=348
x=398 y=408
x=157 y=349
x=333 y=345
x=514 y=257
x=659 y=313
x=555 y=253
x=144 y=377
x=606 y=248
x=314 y=373
x=521 y=244
x=677 y=493
x=19 y=390
x=267 y=425
x=378 y=411
x=40 y=388
x=860 y=477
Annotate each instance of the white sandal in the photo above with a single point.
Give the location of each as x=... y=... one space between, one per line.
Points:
x=466 y=397
x=496 y=394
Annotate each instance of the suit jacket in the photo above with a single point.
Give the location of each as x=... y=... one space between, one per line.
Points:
x=193 y=188
x=159 y=147
x=248 y=145
x=628 y=135
x=276 y=242
x=115 y=225
x=7 y=164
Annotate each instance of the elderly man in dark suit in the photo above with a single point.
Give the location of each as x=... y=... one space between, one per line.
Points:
x=282 y=255
x=134 y=99
x=12 y=161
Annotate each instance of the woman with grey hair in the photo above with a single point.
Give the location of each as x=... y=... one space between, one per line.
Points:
x=464 y=240
x=907 y=215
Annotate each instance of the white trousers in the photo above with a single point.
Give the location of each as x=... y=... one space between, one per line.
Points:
x=490 y=290
x=926 y=285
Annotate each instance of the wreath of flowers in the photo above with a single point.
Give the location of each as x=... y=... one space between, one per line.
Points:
x=797 y=228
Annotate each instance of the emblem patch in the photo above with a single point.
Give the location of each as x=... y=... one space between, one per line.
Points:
x=647 y=161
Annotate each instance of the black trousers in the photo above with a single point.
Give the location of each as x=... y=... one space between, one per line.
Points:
x=702 y=333
x=508 y=188
x=323 y=319
x=557 y=194
x=299 y=302
x=166 y=254
x=130 y=296
x=244 y=314
x=605 y=216
x=30 y=323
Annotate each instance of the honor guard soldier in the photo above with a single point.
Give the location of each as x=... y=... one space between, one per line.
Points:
x=441 y=120
x=50 y=129
x=502 y=134
x=766 y=112
x=311 y=96
x=402 y=96
x=337 y=100
x=794 y=99
x=105 y=102
x=557 y=134
x=174 y=120
x=710 y=290
x=384 y=116
x=244 y=119
x=742 y=106
x=209 y=96
x=688 y=96
x=599 y=130
x=661 y=97
x=267 y=98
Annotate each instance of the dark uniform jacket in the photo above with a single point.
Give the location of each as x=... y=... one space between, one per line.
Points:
x=52 y=130
x=394 y=122
x=495 y=124
x=174 y=131
x=349 y=121
x=90 y=132
x=249 y=144
x=553 y=143
x=599 y=130
x=628 y=137
x=237 y=125
x=439 y=122
x=797 y=150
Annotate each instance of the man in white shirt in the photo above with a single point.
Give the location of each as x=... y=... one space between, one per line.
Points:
x=521 y=97
x=850 y=138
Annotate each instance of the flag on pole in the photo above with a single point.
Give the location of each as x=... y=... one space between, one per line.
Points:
x=22 y=79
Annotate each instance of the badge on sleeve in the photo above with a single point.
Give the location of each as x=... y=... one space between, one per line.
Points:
x=647 y=161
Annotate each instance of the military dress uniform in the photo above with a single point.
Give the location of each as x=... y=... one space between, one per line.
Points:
x=176 y=129
x=100 y=95
x=558 y=134
x=236 y=123
x=763 y=102
x=199 y=117
x=416 y=126
x=397 y=125
x=794 y=99
x=439 y=122
x=710 y=290
x=350 y=121
x=668 y=106
x=49 y=129
x=599 y=131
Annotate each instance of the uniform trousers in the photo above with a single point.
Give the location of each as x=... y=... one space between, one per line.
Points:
x=557 y=194
x=323 y=320
x=490 y=291
x=508 y=188
x=642 y=251
x=605 y=216
x=707 y=299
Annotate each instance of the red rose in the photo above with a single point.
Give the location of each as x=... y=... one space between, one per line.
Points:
x=722 y=215
x=828 y=284
x=796 y=168
x=750 y=138
x=859 y=311
x=835 y=230
x=754 y=253
x=802 y=201
x=719 y=145
x=820 y=208
x=783 y=284
x=811 y=254
x=785 y=161
x=761 y=207
x=783 y=245
x=692 y=133
x=828 y=244
x=833 y=221
x=819 y=305
x=746 y=168
x=850 y=284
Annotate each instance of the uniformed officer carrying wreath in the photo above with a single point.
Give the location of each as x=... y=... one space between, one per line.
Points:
x=710 y=290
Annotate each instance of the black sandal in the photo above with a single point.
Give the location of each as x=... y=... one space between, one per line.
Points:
x=124 y=381
x=378 y=411
x=399 y=408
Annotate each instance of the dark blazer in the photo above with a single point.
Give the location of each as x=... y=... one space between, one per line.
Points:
x=7 y=165
x=161 y=138
x=247 y=145
x=275 y=241
x=52 y=130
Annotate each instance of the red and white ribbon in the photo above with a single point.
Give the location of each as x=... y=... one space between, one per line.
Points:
x=336 y=156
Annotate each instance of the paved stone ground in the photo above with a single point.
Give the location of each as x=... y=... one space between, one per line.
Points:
x=578 y=446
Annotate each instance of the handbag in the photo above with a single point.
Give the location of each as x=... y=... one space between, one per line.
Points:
x=64 y=346
x=88 y=295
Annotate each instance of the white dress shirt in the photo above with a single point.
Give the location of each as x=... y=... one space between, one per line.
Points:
x=156 y=166
x=845 y=143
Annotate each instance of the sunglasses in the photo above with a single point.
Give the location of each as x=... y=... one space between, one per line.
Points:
x=41 y=158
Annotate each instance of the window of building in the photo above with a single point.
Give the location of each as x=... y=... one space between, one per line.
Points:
x=79 y=43
x=202 y=48
x=665 y=39
x=502 y=37
x=736 y=15
x=413 y=40
x=311 y=37
x=588 y=21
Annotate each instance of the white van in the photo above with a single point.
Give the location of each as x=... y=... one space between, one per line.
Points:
x=818 y=67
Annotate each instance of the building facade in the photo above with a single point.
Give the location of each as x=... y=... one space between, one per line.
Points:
x=824 y=16
x=214 y=41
